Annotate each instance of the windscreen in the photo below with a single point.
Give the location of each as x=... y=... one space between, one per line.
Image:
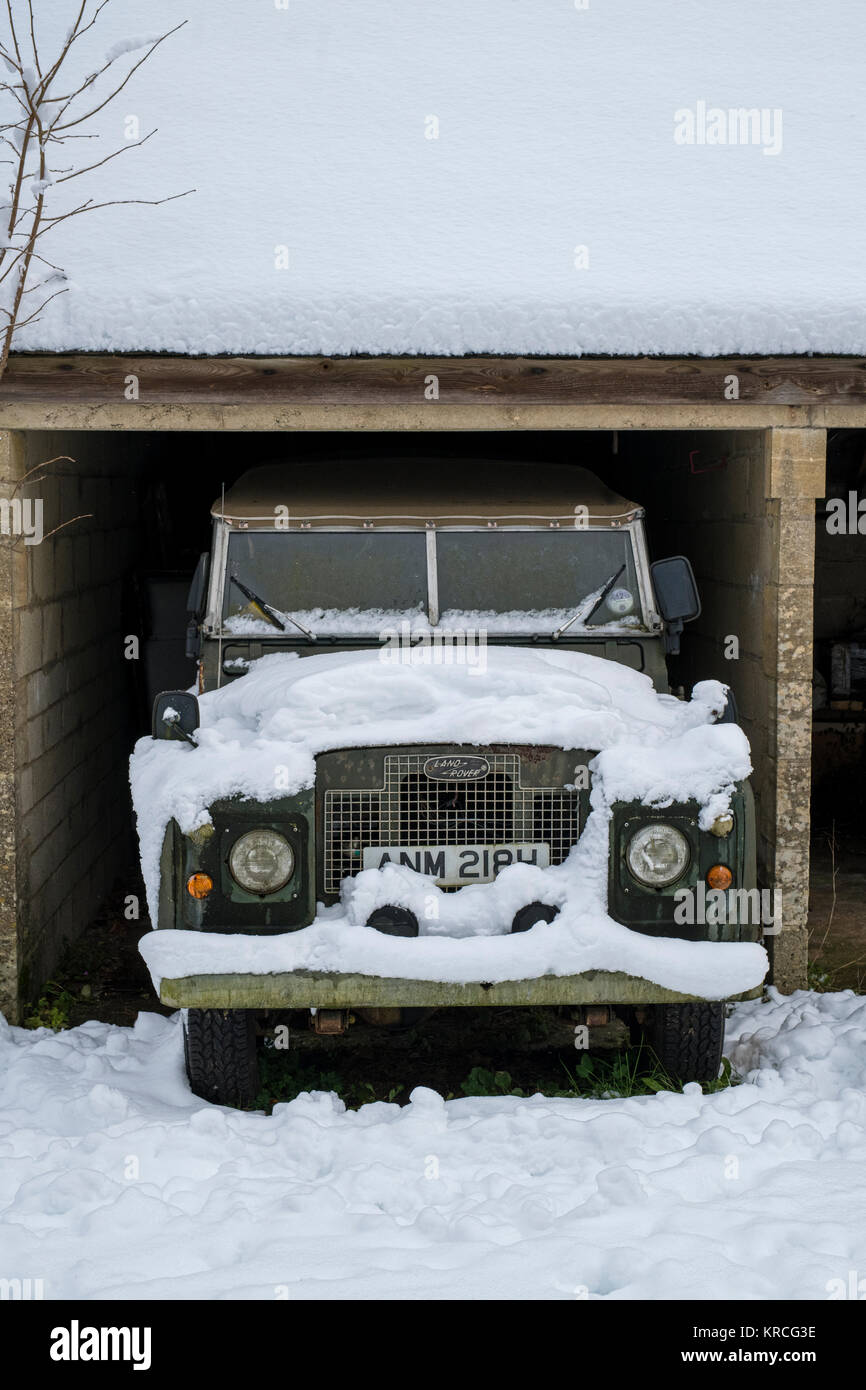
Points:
x=369 y=575
x=507 y=580
x=550 y=572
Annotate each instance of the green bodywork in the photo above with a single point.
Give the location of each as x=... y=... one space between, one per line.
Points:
x=228 y=909
x=223 y=662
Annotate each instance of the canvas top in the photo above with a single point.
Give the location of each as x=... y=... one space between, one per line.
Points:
x=413 y=492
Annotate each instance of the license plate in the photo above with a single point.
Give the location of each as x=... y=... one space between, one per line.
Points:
x=454 y=865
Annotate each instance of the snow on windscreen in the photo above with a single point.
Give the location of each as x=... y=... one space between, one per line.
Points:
x=396 y=624
x=650 y=746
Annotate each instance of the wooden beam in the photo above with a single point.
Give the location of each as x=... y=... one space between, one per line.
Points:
x=512 y=382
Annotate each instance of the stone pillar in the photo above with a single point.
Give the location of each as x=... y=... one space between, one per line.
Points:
x=13 y=580
x=794 y=474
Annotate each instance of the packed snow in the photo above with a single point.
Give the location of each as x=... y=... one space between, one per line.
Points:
x=117 y=1183
x=472 y=626
x=259 y=737
x=498 y=177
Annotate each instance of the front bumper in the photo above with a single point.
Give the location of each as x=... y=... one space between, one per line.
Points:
x=303 y=989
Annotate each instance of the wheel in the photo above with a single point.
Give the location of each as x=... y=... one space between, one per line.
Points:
x=688 y=1040
x=219 y=1048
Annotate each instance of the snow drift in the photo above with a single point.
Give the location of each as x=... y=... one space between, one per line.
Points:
x=117 y=1183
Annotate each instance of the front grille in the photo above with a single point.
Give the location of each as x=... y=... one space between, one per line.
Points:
x=412 y=809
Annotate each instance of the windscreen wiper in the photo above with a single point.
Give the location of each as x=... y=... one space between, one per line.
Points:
x=269 y=612
x=595 y=607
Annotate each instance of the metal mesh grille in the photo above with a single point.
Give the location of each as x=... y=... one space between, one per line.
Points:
x=412 y=809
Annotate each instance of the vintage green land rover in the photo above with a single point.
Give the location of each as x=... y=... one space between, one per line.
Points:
x=315 y=558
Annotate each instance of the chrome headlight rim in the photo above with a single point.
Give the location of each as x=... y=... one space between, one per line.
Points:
x=263 y=838
x=675 y=836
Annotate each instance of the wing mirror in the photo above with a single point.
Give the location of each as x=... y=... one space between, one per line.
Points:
x=730 y=714
x=175 y=716
x=677 y=596
x=195 y=605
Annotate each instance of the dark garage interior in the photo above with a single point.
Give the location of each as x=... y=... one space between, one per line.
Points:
x=133 y=509
x=839 y=720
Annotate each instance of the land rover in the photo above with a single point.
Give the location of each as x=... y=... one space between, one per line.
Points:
x=309 y=559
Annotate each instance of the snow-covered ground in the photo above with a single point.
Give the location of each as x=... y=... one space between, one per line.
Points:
x=500 y=176
x=115 y=1182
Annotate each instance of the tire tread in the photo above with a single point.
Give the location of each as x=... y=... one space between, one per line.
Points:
x=689 y=1039
x=220 y=1055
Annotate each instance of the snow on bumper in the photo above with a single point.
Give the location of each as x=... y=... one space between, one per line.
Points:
x=336 y=964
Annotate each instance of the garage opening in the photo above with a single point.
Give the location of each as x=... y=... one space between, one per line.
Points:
x=99 y=613
x=837 y=916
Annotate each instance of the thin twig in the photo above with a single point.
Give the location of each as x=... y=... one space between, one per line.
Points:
x=46 y=463
x=831 y=840
x=31 y=137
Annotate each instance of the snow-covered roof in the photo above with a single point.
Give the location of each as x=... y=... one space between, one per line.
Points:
x=506 y=177
x=445 y=490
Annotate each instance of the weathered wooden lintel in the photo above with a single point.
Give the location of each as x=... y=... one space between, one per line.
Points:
x=163 y=392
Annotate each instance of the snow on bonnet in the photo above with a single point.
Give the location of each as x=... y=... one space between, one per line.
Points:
x=259 y=737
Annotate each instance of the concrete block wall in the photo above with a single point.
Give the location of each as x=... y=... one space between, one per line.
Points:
x=795 y=477
x=706 y=500
x=741 y=505
x=70 y=692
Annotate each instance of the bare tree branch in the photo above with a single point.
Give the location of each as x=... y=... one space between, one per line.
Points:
x=32 y=137
x=13 y=34
x=46 y=463
x=83 y=516
x=33 y=39
x=123 y=148
x=92 y=112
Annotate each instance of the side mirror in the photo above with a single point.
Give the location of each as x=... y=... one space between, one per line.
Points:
x=175 y=715
x=198 y=588
x=676 y=595
x=730 y=714
x=195 y=605
x=676 y=590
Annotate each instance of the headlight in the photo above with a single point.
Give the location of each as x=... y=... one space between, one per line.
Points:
x=658 y=854
x=261 y=861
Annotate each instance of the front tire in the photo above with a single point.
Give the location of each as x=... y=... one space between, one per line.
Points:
x=688 y=1040
x=219 y=1047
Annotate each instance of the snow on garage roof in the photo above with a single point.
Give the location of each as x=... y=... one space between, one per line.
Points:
x=506 y=177
x=343 y=489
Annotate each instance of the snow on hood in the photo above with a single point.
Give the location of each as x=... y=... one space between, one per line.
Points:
x=259 y=737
